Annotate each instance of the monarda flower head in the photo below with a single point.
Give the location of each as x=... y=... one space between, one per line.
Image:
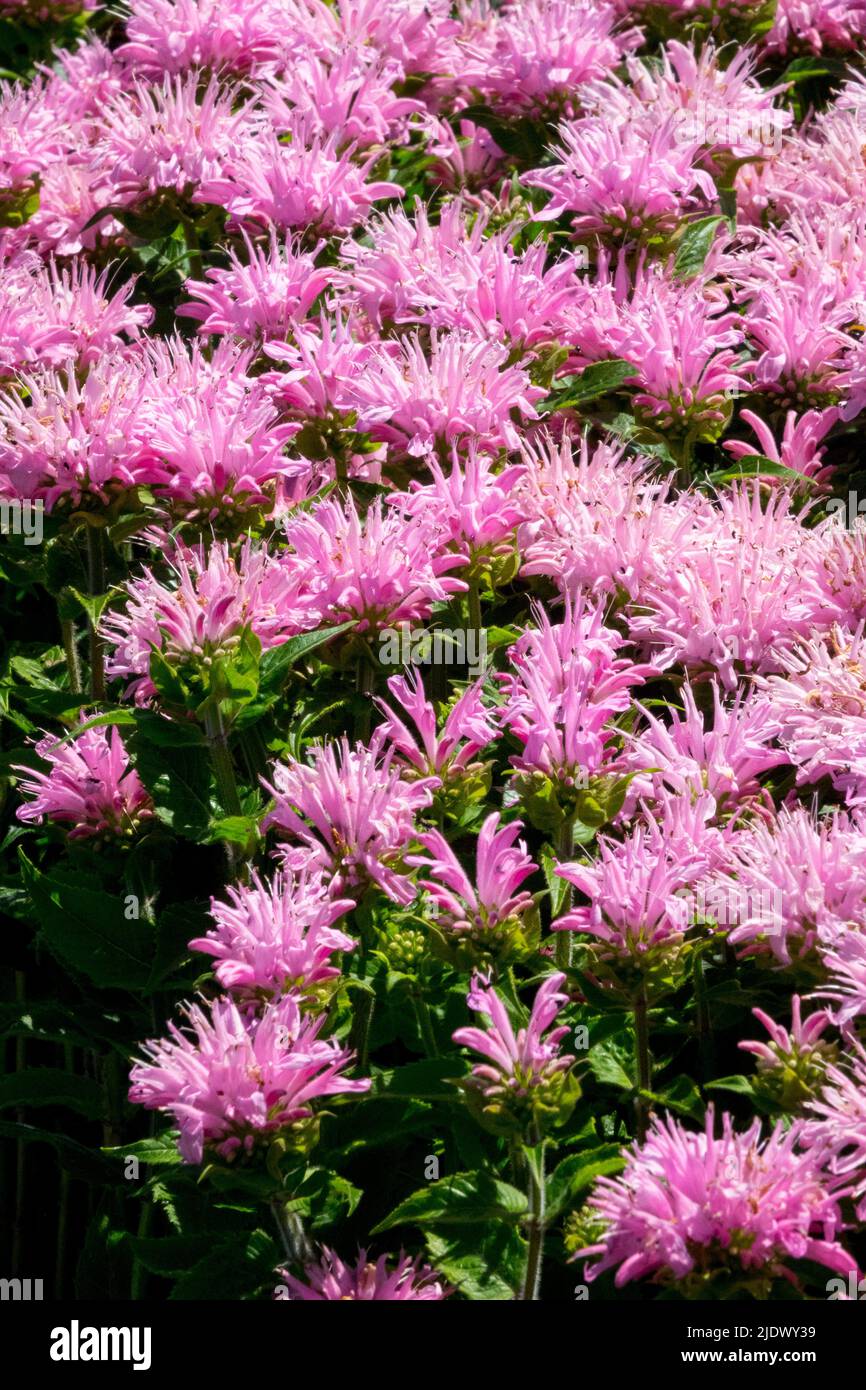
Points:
x=380 y=571
x=170 y=36
x=354 y=812
x=835 y=1131
x=277 y=936
x=525 y=1086
x=66 y=440
x=421 y=403
x=90 y=786
x=691 y=1209
x=820 y=704
x=486 y=917
x=260 y=296
x=330 y=1280
x=615 y=179
x=786 y=886
x=203 y=616
x=569 y=684
x=446 y=753
x=540 y=53
x=234 y=1082
x=307 y=184
x=639 y=892
x=723 y=751
x=168 y=138
x=791 y=1065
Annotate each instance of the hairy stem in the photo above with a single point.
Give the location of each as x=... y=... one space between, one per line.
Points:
x=535 y=1195
x=96 y=586
x=643 y=1061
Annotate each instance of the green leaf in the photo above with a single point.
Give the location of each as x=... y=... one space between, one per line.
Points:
x=233 y=1269
x=88 y=929
x=579 y=1171
x=75 y=1159
x=159 y=1151
x=596 y=380
x=607 y=1063
x=740 y=1085
x=51 y=1086
x=694 y=246
x=485 y=1266
x=464 y=1199
x=179 y=780
x=170 y=1255
x=277 y=662
x=428 y=1080
x=557 y=887
x=759 y=466
x=683 y=1096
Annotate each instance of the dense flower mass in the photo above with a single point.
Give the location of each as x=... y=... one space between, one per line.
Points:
x=433 y=585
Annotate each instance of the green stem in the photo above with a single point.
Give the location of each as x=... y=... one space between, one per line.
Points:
x=138 y=1283
x=96 y=586
x=293 y=1237
x=702 y=1008
x=359 y=1037
x=425 y=1025
x=70 y=651
x=223 y=767
x=366 y=680
x=474 y=598
x=643 y=1061
x=63 y=1205
x=535 y=1196
x=564 y=850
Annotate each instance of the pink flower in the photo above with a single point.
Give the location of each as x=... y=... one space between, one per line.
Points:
x=568 y=686
x=615 y=178
x=800 y=445
x=168 y=138
x=476 y=503
x=837 y=1134
x=689 y=1201
x=468 y=728
x=331 y=1279
x=68 y=437
x=789 y=1048
x=820 y=704
x=541 y=52
x=262 y=296
x=525 y=1074
x=464 y=388
x=638 y=887
x=277 y=936
x=791 y=884
x=501 y=867
x=231 y=1082
x=90 y=785
x=308 y=183
x=167 y=36
x=724 y=753
x=203 y=614
x=354 y=812
x=382 y=571
x=845 y=960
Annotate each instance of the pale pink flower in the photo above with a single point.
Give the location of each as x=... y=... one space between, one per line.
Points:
x=277 y=936
x=333 y=1281
x=90 y=786
x=689 y=1201
x=354 y=812
x=468 y=727
x=203 y=613
x=231 y=1081
x=463 y=388
x=381 y=571
x=486 y=901
x=260 y=297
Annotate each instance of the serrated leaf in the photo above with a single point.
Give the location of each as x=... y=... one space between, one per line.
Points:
x=464 y=1199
